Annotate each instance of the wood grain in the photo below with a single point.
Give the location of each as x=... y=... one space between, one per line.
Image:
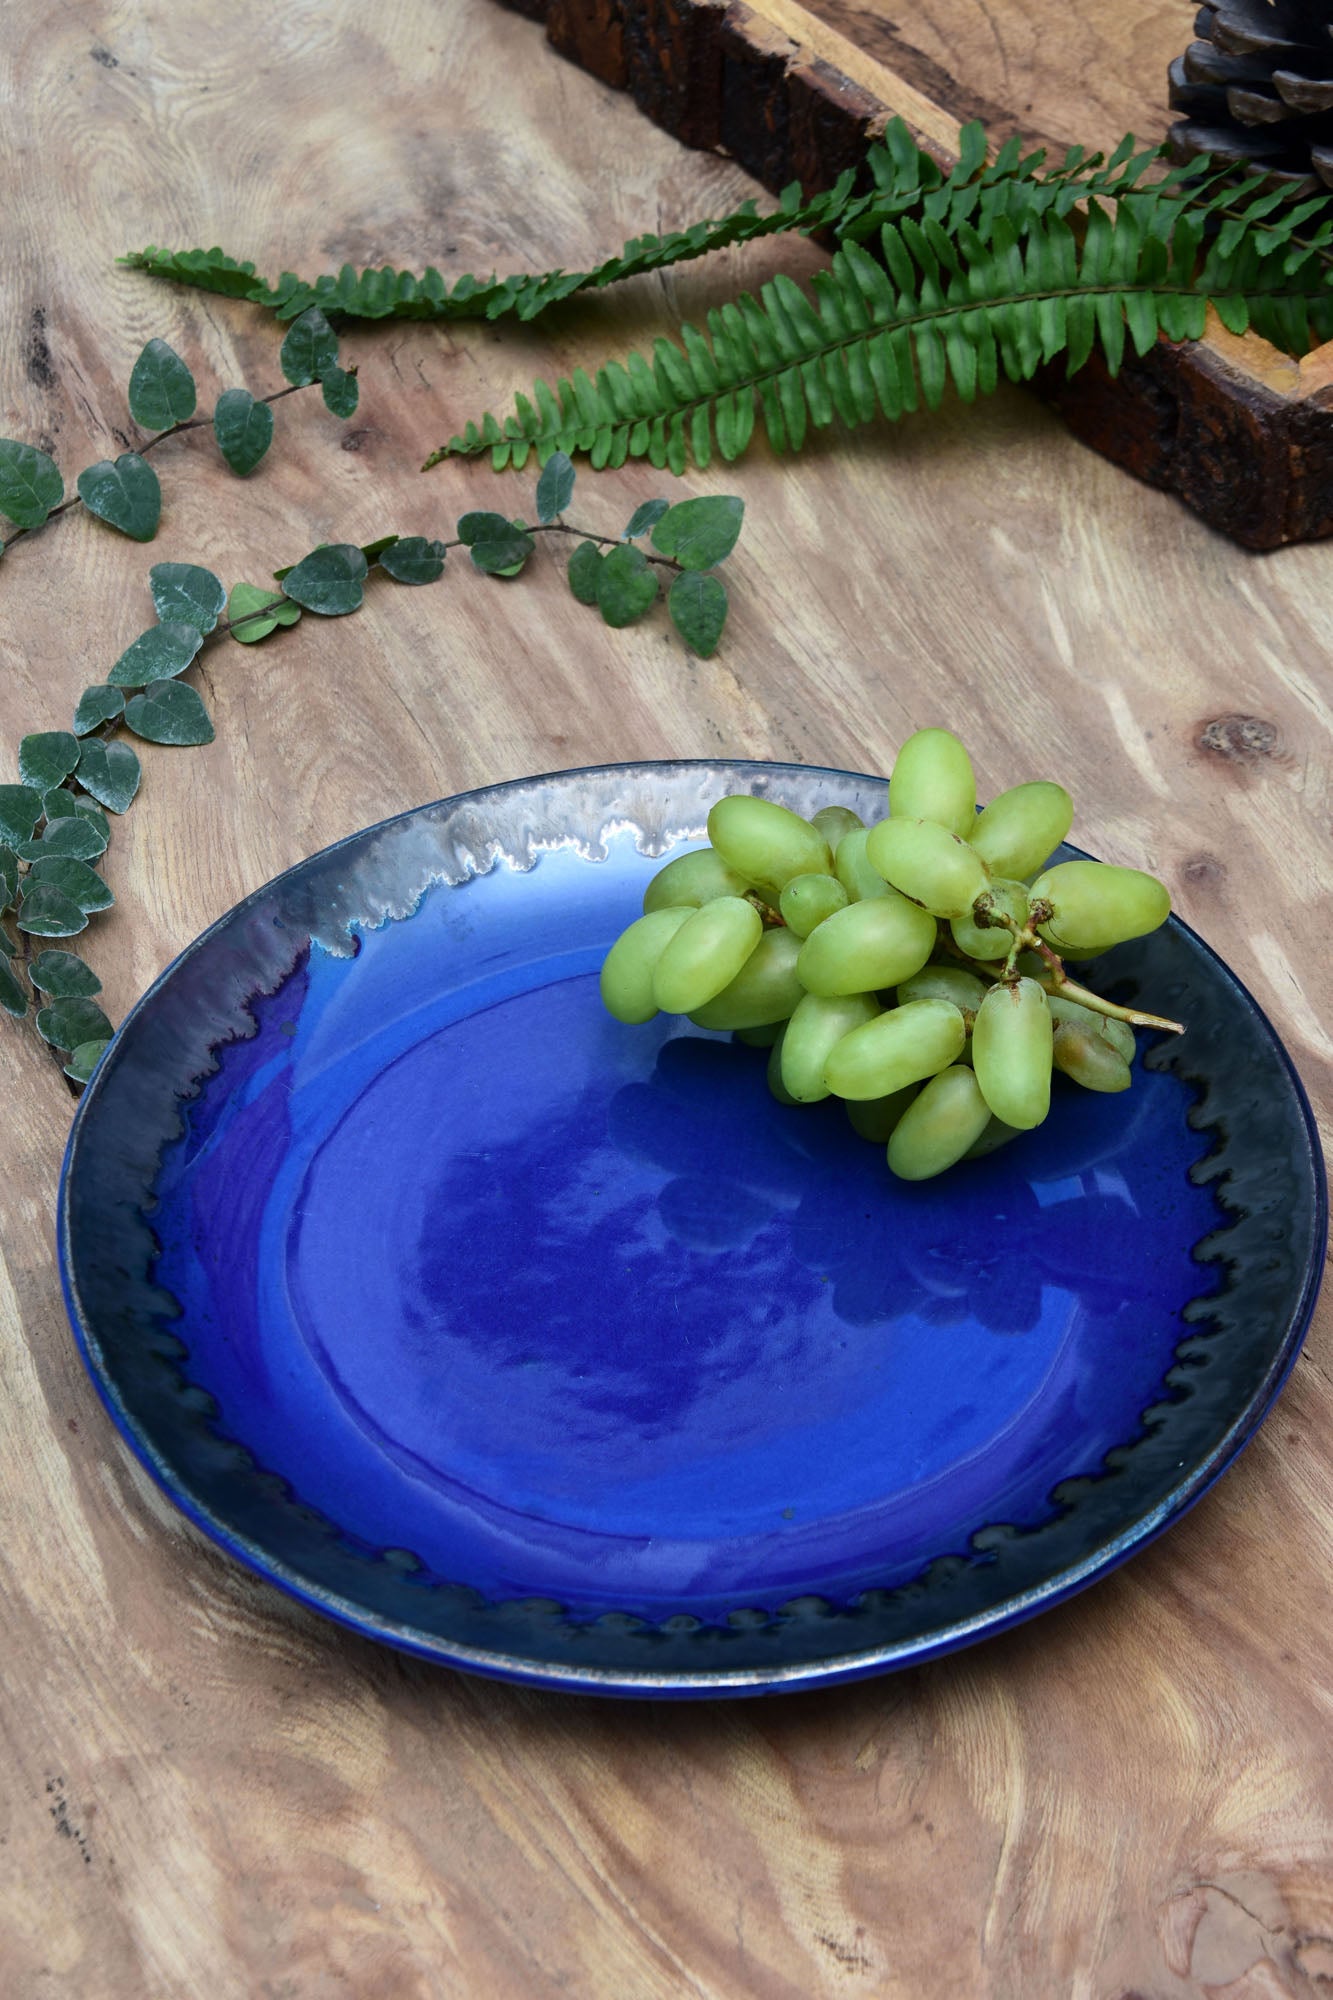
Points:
x=206 y=1791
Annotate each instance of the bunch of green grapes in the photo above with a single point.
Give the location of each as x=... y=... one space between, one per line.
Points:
x=914 y=968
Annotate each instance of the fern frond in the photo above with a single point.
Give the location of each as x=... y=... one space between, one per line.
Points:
x=1002 y=292
x=390 y=294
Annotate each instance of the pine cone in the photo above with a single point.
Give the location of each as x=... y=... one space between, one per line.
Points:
x=1257 y=89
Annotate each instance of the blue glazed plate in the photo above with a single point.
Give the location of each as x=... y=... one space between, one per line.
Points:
x=558 y=1350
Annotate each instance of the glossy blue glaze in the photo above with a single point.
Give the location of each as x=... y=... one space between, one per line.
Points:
x=558 y=1349
x=577 y=1310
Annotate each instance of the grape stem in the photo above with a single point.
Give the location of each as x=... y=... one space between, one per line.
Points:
x=1056 y=980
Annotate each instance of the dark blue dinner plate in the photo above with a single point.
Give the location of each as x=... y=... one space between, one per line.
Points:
x=558 y=1350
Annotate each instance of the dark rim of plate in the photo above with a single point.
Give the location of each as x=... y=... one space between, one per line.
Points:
x=1265 y=1163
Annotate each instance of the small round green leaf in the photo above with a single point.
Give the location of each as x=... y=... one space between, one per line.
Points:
x=372 y=551
x=125 y=492
x=46 y=912
x=157 y=654
x=12 y=996
x=74 y=836
x=75 y=879
x=413 y=559
x=47 y=758
x=584 y=566
x=59 y=803
x=503 y=554
x=86 y=810
x=698 y=606
x=340 y=391
x=555 y=488
x=646 y=516
x=97 y=705
x=699 y=533
x=161 y=388
x=20 y=810
x=67 y=1024
x=110 y=771
x=310 y=349
x=248 y=598
x=329 y=580
x=63 y=976
x=243 y=429
x=84 y=1060
x=483 y=527
x=626 y=585
x=30 y=484
x=169 y=712
x=185 y=594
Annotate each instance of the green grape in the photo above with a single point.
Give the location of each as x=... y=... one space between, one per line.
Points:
x=692 y=879
x=855 y=873
x=996 y=1134
x=706 y=953
x=895 y=1049
x=765 y=843
x=946 y=1121
x=923 y=860
x=1089 y=1058
x=1019 y=830
x=866 y=947
x=1118 y=1033
x=1095 y=904
x=815 y=1027
x=1011 y=1052
x=808 y=899
x=775 y=1083
x=761 y=1038
x=933 y=779
x=766 y=988
x=995 y=940
x=835 y=821
x=945 y=982
x=875 y=1117
x=629 y=966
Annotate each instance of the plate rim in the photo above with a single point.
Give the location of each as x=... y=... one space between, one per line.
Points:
x=628 y=1681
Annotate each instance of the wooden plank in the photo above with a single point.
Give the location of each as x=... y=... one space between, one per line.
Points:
x=203 y=1790
x=795 y=88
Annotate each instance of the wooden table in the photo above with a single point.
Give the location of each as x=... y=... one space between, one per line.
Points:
x=206 y=1791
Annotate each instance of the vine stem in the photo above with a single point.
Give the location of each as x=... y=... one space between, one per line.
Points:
x=149 y=444
x=1056 y=980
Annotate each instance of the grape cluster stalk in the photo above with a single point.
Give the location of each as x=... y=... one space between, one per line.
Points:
x=915 y=968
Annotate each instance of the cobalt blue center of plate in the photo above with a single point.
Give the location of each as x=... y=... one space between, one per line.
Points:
x=575 y=1310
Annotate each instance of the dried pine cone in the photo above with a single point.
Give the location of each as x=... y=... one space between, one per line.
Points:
x=1257 y=89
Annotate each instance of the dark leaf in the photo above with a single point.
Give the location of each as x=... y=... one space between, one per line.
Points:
x=698 y=607
x=584 y=565
x=243 y=429
x=84 y=1060
x=328 y=581
x=310 y=349
x=555 y=488
x=157 y=654
x=110 y=771
x=626 y=585
x=646 y=516
x=340 y=391
x=59 y=803
x=45 y=912
x=75 y=879
x=372 y=551
x=247 y=598
x=474 y=528
x=97 y=705
x=413 y=560
x=48 y=758
x=67 y=1024
x=169 y=712
x=64 y=976
x=505 y=555
x=12 y=996
x=161 y=388
x=20 y=810
x=9 y=875
x=125 y=492
x=699 y=533
x=30 y=483
x=96 y=819
x=74 y=836
x=185 y=594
